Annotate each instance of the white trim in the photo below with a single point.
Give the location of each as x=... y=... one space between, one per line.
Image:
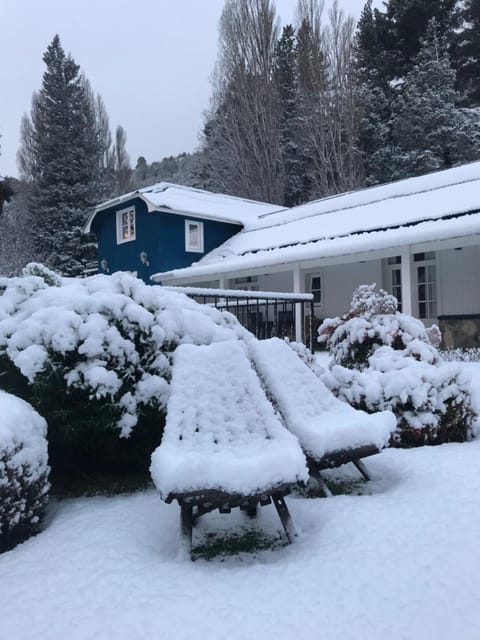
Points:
x=297 y=288
x=131 y=224
x=190 y=246
x=406 y=280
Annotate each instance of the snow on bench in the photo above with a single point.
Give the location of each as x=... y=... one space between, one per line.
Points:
x=223 y=445
x=330 y=431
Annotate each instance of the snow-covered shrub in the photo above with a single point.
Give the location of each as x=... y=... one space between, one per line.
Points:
x=456 y=354
x=432 y=403
x=386 y=360
x=24 y=469
x=373 y=321
x=93 y=355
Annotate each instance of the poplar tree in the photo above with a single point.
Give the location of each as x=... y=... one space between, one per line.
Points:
x=287 y=90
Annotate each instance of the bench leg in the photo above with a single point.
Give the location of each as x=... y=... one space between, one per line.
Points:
x=362 y=468
x=285 y=517
x=321 y=482
x=186 y=526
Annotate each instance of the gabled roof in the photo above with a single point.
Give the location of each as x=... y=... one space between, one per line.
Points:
x=434 y=206
x=174 y=198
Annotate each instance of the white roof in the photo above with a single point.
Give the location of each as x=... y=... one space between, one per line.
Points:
x=430 y=207
x=175 y=198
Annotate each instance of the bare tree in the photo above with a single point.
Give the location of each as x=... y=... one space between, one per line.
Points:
x=26 y=154
x=123 y=171
x=242 y=152
x=327 y=98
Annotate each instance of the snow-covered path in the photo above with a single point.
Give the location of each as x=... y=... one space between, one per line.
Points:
x=400 y=563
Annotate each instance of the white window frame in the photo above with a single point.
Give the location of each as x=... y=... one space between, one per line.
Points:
x=429 y=264
x=189 y=246
x=131 y=225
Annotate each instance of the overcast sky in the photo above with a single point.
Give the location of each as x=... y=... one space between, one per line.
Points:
x=151 y=61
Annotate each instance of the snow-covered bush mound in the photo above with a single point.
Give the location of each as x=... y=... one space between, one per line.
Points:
x=94 y=353
x=432 y=403
x=373 y=321
x=386 y=360
x=23 y=469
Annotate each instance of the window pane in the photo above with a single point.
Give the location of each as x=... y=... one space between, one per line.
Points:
x=422 y=310
x=193 y=234
x=421 y=274
x=422 y=292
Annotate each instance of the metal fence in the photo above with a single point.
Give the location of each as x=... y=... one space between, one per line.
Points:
x=264 y=313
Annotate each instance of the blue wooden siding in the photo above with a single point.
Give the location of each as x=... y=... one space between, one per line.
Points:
x=160 y=235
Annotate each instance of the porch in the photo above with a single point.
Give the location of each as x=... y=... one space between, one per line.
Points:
x=437 y=282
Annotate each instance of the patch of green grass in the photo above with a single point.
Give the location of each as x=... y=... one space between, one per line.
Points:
x=336 y=486
x=99 y=484
x=248 y=541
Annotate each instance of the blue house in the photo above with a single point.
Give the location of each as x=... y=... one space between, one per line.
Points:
x=167 y=226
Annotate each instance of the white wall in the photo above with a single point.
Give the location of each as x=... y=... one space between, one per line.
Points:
x=459 y=278
x=282 y=281
x=339 y=282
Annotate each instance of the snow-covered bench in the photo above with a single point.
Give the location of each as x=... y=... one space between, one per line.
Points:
x=223 y=444
x=330 y=431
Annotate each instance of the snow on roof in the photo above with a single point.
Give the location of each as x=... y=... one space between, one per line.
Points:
x=322 y=423
x=175 y=198
x=221 y=431
x=418 y=209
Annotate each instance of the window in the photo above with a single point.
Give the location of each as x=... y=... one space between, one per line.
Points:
x=194 y=236
x=394 y=278
x=247 y=283
x=125 y=225
x=316 y=289
x=426 y=284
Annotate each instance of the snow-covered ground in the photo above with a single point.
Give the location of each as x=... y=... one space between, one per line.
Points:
x=400 y=562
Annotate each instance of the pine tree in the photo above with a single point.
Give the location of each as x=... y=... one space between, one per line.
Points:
x=403 y=26
x=65 y=156
x=428 y=129
x=469 y=54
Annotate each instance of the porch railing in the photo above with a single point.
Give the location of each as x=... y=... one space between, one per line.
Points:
x=264 y=313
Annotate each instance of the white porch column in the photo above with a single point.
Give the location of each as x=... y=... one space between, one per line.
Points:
x=222 y=281
x=407 y=285
x=298 y=288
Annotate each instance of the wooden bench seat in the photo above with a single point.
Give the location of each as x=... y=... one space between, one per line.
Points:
x=330 y=431
x=223 y=446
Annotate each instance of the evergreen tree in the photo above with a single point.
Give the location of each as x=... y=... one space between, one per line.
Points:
x=6 y=192
x=313 y=121
x=65 y=157
x=428 y=130
x=369 y=53
x=469 y=54
x=403 y=26
x=286 y=84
